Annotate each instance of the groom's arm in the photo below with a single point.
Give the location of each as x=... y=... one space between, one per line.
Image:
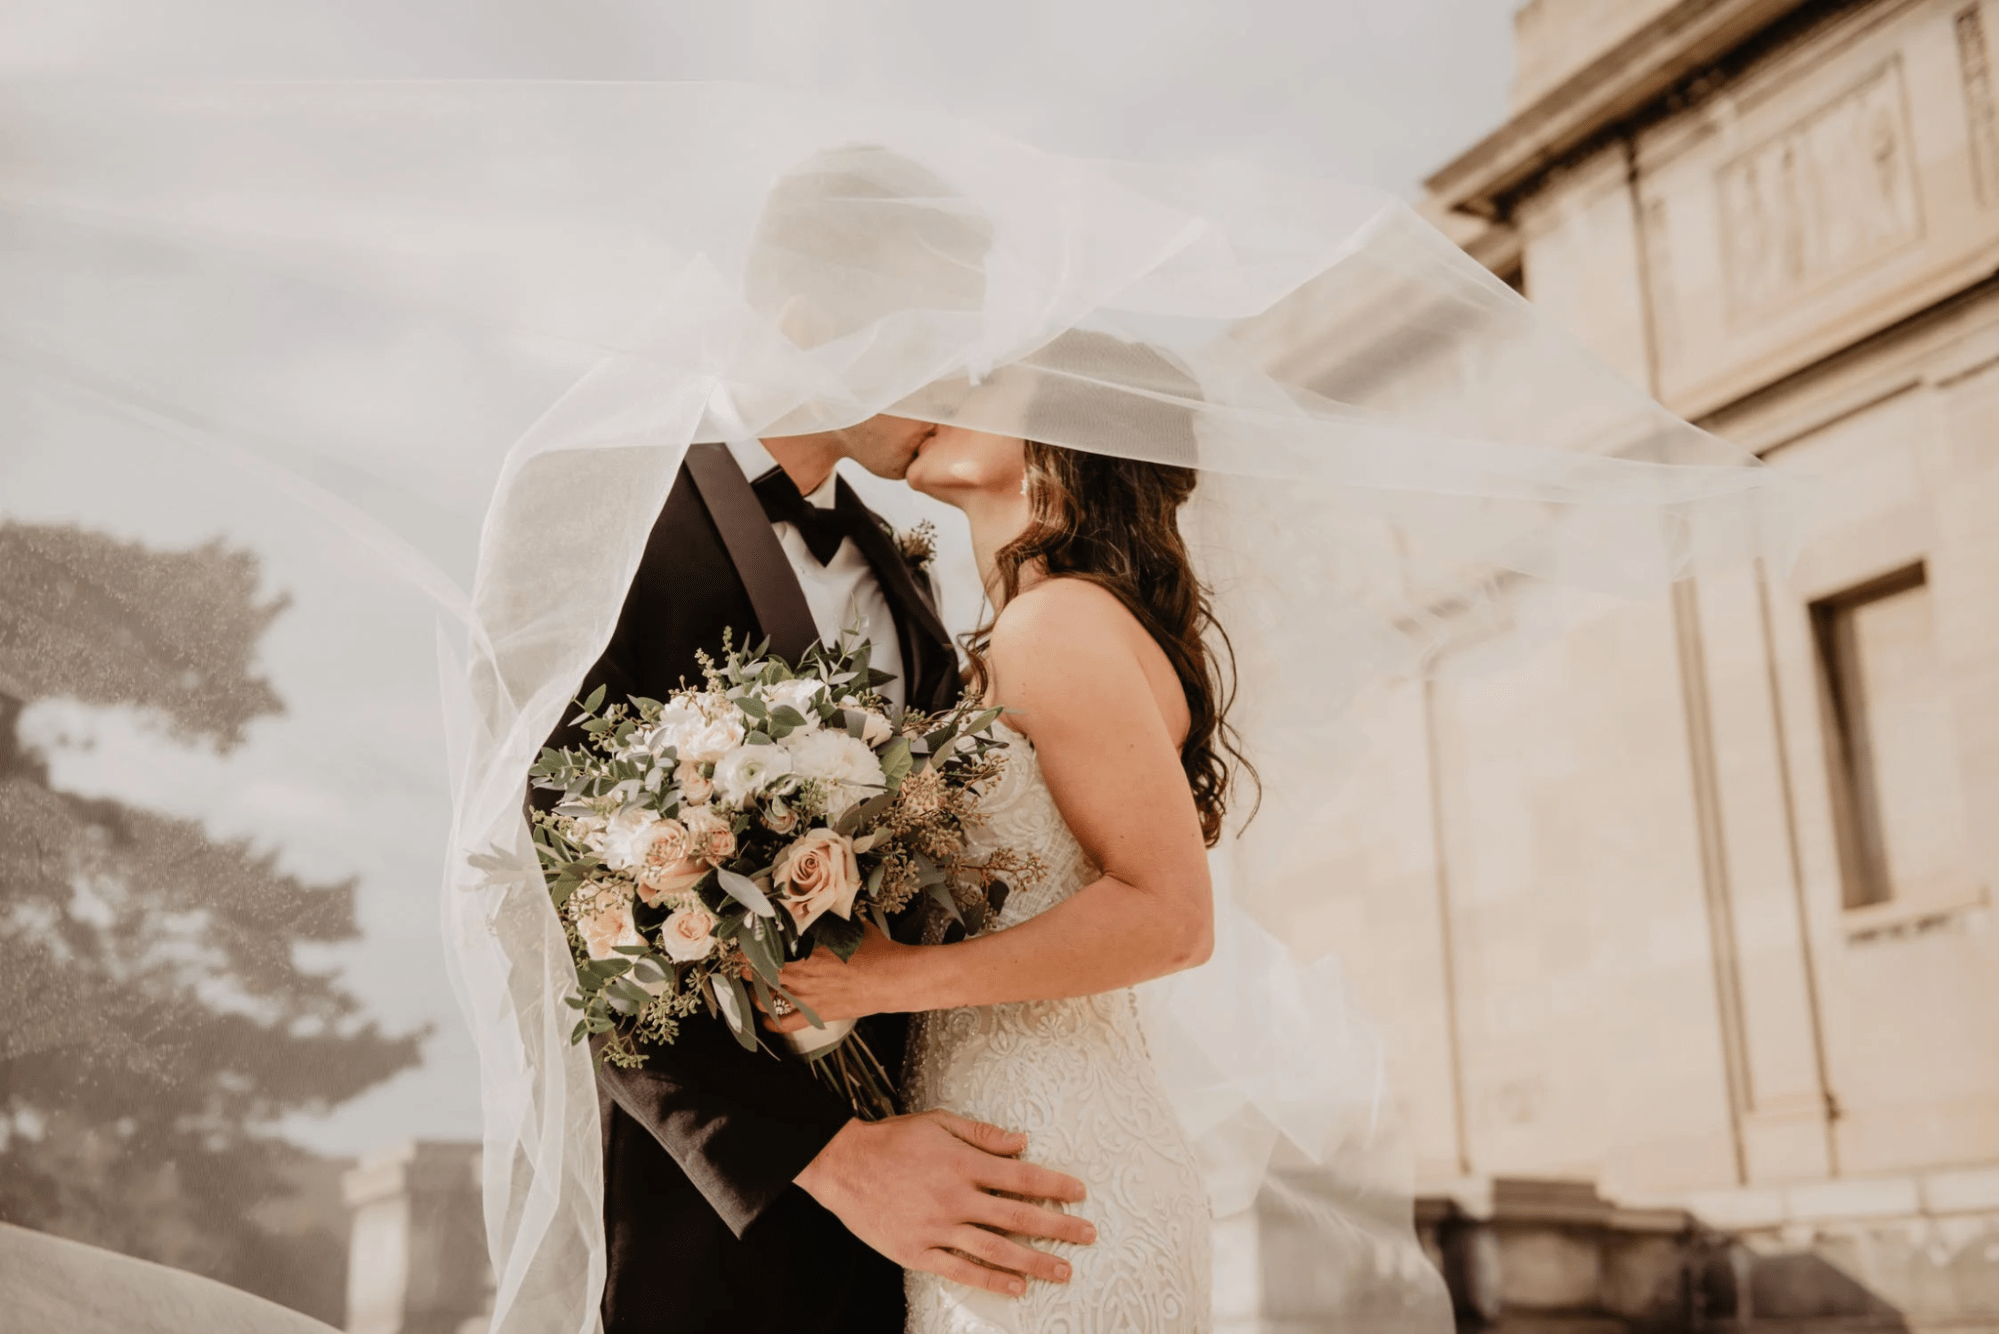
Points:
x=921 y=1189
x=742 y=1125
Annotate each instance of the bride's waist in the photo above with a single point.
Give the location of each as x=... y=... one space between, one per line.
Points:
x=1061 y=1018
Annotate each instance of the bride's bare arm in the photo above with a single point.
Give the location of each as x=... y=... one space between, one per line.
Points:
x=1071 y=663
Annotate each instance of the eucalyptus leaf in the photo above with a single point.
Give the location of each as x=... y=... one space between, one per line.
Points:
x=735 y=1005
x=763 y=960
x=842 y=936
x=942 y=894
x=762 y=990
x=896 y=762
x=745 y=892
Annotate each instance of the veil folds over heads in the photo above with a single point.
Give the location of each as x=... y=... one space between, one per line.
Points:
x=472 y=327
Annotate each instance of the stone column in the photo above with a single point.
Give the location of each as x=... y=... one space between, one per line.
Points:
x=417 y=1253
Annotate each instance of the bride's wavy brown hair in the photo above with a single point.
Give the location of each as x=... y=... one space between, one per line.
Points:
x=1115 y=523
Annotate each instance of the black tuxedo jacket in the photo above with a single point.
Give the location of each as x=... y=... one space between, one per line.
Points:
x=705 y=1229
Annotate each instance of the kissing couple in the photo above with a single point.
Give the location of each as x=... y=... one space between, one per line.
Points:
x=1040 y=1179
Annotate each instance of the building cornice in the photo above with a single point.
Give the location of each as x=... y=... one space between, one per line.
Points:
x=1617 y=86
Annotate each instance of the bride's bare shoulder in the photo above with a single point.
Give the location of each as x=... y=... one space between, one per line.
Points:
x=1058 y=612
x=1065 y=628
x=1069 y=650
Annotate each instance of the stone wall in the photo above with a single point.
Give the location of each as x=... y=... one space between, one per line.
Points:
x=1706 y=885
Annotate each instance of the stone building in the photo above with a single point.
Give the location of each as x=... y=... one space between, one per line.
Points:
x=1695 y=904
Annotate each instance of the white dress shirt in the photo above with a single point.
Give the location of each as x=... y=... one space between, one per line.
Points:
x=843 y=594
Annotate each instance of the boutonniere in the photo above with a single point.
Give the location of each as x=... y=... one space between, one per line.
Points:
x=917 y=546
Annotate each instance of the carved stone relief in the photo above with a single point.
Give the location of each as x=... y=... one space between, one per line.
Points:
x=1830 y=194
x=1974 y=62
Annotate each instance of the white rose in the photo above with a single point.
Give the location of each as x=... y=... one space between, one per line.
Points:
x=711 y=740
x=677 y=722
x=688 y=934
x=801 y=694
x=588 y=832
x=876 y=730
x=605 y=923
x=627 y=837
x=748 y=770
x=844 y=766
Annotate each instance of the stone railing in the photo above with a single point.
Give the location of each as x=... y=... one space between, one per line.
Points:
x=1536 y=1254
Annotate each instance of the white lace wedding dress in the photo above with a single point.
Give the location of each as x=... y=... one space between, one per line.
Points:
x=1076 y=1077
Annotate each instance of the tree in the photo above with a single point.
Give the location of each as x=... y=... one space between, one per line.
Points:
x=154 y=1020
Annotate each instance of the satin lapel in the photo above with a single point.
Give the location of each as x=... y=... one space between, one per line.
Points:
x=754 y=550
x=901 y=588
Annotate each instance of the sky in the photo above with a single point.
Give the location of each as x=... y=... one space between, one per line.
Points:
x=1382 y=90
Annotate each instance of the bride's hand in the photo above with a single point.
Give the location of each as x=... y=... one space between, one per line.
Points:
x=864 y=985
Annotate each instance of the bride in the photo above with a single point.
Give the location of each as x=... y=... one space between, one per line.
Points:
x=1118 y=782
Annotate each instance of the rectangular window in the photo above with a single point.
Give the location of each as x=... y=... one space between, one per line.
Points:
x=1896 y=792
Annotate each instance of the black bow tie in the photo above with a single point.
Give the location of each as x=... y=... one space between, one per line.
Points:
x=824 y=530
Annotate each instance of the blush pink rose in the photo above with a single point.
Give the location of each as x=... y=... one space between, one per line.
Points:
x=695 y=786
x=688 y=934
x=671 y=863
x=817 y=874
x=605 y=923
x=710 y=836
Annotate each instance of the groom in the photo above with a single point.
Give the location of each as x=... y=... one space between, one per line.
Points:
x=739 y=1193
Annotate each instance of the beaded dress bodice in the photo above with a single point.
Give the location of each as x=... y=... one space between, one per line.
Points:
x=1076 y=1077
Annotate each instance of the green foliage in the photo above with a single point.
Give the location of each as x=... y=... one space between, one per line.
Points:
x=628 y=772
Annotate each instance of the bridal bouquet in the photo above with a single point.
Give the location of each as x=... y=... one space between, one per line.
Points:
x=702 y=841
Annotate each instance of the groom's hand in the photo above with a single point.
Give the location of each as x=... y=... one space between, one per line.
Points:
x=919 y=1190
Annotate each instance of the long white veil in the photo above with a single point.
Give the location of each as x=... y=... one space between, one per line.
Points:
x=471 y=328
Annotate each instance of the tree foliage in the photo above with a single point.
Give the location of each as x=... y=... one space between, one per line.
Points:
x=154 y=1018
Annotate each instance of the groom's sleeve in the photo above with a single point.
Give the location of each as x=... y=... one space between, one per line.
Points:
x=740 y=1124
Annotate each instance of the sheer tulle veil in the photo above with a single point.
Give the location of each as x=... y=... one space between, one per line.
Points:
x=471 y=327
